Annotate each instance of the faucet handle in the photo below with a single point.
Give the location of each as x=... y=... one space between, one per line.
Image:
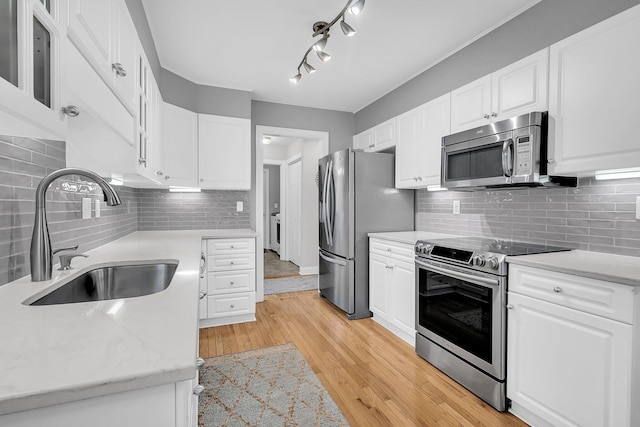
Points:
x=73 y=248
x=65 y=261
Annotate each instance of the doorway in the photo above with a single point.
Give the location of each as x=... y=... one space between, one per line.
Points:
x=312 y=143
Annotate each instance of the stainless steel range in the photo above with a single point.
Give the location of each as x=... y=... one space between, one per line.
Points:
x=461 y=286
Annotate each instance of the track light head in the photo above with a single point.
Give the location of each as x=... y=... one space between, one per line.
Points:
x=308 y=67
x=346 y=28
x=320 y=44
x=324 y=56
x=295 y=79
x=356 y=7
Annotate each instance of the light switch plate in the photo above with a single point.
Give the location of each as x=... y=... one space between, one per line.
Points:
x=86 y=208
x=97 y=208
x=239 y=206
x=456 y=207
x=637 y=207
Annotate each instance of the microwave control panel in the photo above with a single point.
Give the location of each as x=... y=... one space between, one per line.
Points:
x=523 y=155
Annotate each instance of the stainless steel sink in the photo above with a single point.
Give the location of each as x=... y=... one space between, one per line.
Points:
x=113 y=282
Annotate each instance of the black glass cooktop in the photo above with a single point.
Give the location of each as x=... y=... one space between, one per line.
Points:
x=496 y=246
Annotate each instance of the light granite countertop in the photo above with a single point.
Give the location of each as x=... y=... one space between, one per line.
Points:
x=409 y=237
x=595 y=265
x=62 y=353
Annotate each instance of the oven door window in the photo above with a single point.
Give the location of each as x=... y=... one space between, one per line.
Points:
x=458 y=311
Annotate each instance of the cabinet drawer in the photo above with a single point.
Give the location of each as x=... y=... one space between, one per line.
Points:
x=231 y=262
x=401 y=251
x=222 y=282
x=606 y=299
x=232 y=304
x=230 y=246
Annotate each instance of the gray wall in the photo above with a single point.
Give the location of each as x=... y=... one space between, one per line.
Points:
x=595 y=216
x=274 y=187
x=204 y=99
x=161 y=210
x=136 y=10
x=544 y=24
x=23 y=164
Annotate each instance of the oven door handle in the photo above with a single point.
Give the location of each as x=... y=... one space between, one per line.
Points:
x=459 y=275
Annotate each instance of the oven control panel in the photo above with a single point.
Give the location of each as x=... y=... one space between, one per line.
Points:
x=472 y=259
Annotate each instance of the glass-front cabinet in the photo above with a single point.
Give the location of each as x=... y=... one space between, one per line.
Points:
x=30 y=62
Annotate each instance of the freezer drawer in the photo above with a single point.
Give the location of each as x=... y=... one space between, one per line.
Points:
x=336 y=281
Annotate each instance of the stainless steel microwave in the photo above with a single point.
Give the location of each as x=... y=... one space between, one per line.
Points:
x=509 y=153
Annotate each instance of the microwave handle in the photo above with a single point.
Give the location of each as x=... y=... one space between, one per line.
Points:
x=507 y=157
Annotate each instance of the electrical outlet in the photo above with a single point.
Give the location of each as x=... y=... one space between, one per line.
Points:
x=275 y=206
x=239 y=206
x=86 y=208
x=637 y=207
x=456 y=207
x=97 y=208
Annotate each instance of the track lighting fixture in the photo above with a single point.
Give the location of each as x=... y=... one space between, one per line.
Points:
x=322 y=28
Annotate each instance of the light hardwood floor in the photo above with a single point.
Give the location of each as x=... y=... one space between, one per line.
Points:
x=374 y=377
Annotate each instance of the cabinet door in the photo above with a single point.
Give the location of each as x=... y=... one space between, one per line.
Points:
x=402 y=299
x=521 y=87
x=408 y=127
x=567 y=367
x=91 y=30
x=435 y=122
x=364 y=140
x=180 y=145
x=378 y=276
x=471 y=105
x=592 y=112
x=384 y=135
x=125 y=53
x=224 y=145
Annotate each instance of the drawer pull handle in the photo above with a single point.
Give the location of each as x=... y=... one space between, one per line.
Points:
x=509 y=306
x=231 y=283
x=232 y=246
x=197 y=390
x=557 y=289
x=199 y=363
x=389 y=267
x=232 y=306
x=231 y=262
x=202 y=294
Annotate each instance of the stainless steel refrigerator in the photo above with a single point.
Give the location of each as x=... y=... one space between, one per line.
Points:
x=357 y=196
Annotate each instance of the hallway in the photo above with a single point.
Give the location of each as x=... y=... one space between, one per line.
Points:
x=274 y=268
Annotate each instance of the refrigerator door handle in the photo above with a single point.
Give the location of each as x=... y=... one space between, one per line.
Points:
x=329 y=207
x=324 y=202
x=332 y=260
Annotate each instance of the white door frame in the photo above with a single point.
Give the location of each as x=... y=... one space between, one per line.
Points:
x=266 y=197
x=323 y=137
x=287 y=224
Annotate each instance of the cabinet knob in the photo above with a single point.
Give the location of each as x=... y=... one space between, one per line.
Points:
x=231 y=283
x=199 y=363
x=494 y=114
x=389 y=267
x=119 y=69
x=551 y=161
x=167 y=177
x=159 y=173
x=419 y=178
x=509 y=306
x=201 y=179
x=142 y=162
x=202 y=294
x=71 y=111
x=557 y=289
x=197 y=390
x=486 y=116
x=231 y=262
x=232 y=306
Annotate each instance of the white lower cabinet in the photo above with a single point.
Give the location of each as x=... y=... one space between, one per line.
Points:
x=392 y=287
x=228 y=282
x=570 y=350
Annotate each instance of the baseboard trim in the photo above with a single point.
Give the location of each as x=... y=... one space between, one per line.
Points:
x=307 y=271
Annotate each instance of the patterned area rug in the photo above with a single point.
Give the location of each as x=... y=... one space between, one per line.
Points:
x=290 y=284
x=269 y=387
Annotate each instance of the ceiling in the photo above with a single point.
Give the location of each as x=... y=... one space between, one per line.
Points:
x=256 y=45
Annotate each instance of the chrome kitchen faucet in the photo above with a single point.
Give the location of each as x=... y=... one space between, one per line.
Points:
x=41 y=254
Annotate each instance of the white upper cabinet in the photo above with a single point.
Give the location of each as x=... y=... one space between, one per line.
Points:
x=519 y=88
x=180 y=146
x=105 y=35
x=31 y=72
x=419 y=135
x=594 y=102
x=224 y=152
x=378 y=138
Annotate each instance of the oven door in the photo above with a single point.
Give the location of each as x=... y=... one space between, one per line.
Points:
x=464 y=312
x=479 y=162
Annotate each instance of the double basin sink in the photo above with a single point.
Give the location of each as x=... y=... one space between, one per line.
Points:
x=112 y=282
